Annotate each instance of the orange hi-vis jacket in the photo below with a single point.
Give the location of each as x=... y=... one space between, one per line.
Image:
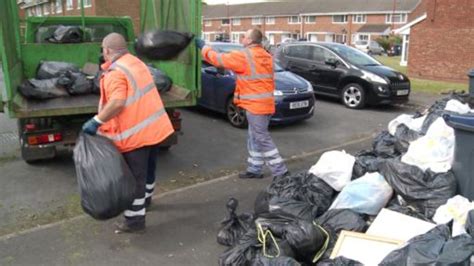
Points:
x=143 y=121
x=253 y=68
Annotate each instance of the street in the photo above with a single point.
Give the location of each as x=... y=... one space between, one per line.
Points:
x=46 y=192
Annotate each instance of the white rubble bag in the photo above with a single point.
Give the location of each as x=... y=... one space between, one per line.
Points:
x=457 y=107
x=412 y=123
x=335 y=168
x=456 y=209
x=368 y=194
x=433 y=151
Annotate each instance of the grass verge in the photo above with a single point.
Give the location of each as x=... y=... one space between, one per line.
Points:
x=423 y=85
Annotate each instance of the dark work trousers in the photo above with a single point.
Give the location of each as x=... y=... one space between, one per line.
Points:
x=261 y=148
x=138 y=160
x=151 y=177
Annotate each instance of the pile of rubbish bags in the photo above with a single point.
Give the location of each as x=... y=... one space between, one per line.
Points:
x=298 y=219
x=61 y=79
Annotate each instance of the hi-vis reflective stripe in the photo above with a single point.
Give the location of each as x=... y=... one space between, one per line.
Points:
x=264 y=154
x=128 y=213
x=253 y=70
x=275 y=161
x=255 y=77
x=138 y=92
x=150 y=186
x=219 y=60
x=254 y=96
x=138 y=202
x=255 y=162
x=135 y=129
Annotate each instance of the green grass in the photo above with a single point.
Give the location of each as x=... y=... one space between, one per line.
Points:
x=423 y=85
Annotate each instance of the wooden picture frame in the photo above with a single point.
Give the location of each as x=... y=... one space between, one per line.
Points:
x=358 y=246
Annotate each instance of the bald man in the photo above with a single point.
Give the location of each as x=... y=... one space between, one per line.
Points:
x=255 y=85
x=132 y=115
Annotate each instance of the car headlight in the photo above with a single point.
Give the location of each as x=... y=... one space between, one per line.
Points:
x=373 y=78
x=309 y=86
x=277 y=93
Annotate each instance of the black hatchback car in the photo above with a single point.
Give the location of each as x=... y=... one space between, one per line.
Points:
x=341 y=71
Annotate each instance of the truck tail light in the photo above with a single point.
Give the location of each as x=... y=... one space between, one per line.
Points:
x=176 y=114
x=44 y=138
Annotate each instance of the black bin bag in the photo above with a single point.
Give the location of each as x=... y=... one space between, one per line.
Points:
x=436 y=247
x=162 y=82
x=234 y=226
x=106 y=184
x=162 y=45
x=42 y=89
x=66 y=34
x=54 y=69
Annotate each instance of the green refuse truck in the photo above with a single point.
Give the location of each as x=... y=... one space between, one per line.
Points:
x=44 y=126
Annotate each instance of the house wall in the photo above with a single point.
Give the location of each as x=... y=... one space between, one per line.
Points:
x=281 y=28
x=442 y=46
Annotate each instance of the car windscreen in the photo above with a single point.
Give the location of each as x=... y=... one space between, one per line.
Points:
x=354 y=56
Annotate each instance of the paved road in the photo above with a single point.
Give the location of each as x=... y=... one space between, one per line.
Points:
x=209 y=147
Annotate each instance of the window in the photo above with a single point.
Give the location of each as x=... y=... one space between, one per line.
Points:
x=59 y=6
x=339 y=19
x=359 y=19
x=340 y=38
x=207 y=23
x=236 y=21
x=38 y=11
x=316 y=54
x=310 y=19
x=52 y=7
x=257 y=21
x=294 y=20
x=235 y=37
x=28 y=12
x=87 y=3
x=396 y=18
x=363 y=37
x=270 y=20
x=46 y=9
x=299 y=51
x=225 y=21
x=69 y=5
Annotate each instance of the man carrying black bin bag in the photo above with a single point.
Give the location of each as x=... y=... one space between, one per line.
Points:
x=132 y=115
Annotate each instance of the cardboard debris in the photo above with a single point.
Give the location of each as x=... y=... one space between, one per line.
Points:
x=399 y=226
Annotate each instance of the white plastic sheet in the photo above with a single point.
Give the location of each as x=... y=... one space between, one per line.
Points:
x=457 y=107
x=455 y=209
x=433 y=151
x=335 y=168
x=368 y=194
x=408 y=120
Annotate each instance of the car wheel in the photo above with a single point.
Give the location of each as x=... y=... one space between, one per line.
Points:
x=353 y=96
x=235 y=115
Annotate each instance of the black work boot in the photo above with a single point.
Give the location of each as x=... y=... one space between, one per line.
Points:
x=124 y=227
x=287 y=173
x=250 y=175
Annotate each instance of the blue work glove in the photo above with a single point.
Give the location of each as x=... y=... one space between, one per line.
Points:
x=91 y=126
x=199 y=43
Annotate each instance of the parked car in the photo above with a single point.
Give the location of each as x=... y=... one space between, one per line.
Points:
x=294 y=96
x=372 y=47
x=395 y=50
x=341 y=71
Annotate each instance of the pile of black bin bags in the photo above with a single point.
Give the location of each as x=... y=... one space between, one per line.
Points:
x=294 y=223
x=60 y=79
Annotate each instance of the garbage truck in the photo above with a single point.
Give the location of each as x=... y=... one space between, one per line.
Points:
x=45 y=126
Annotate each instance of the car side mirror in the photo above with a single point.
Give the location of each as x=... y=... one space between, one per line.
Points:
x=332 y=62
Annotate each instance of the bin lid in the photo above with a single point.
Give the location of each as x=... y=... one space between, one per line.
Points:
x=464 y=122
x=471 y=73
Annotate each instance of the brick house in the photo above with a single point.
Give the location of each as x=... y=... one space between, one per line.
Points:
x=73 y=8
x=344 y=21
x=439 y=43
